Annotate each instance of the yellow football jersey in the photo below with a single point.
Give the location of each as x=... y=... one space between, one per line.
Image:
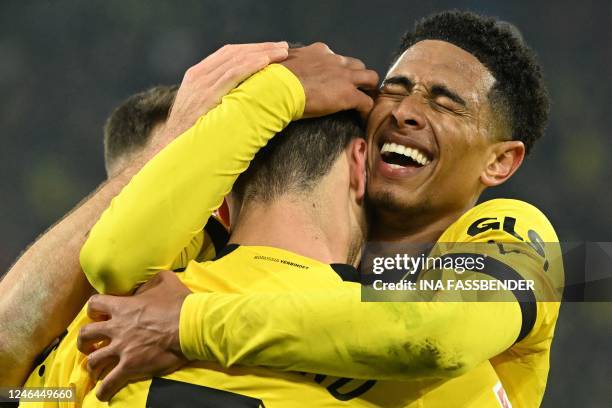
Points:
x=519 y=241
x=242 y=269
x=331 y=331
x=164 y=206
x=267 y=326
x=60 y=366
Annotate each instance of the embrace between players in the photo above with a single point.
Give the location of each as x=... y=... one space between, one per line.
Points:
x=272 y=315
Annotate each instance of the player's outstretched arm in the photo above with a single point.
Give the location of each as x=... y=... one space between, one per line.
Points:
x=333 y=332
x=327 y=332
x=45 y=288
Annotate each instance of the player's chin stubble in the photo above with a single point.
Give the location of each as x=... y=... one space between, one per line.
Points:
x=385 y=205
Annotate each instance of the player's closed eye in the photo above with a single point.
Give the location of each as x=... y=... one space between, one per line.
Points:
x=444 y=104
x=393 y=90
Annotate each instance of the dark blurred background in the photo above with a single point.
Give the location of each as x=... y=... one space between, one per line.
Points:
x=65 y=64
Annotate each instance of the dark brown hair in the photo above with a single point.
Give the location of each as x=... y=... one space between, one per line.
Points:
x=298 y=157
x=129 y=125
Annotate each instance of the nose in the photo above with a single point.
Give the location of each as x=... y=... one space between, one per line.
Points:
x=409 y=113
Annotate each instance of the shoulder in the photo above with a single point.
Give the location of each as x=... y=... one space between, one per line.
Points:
x=505 y=219
x=519 y=242
x=513 y=235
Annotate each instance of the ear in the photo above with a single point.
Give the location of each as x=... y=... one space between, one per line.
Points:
x=505 y=159
x=233 y=205
x=357 y=167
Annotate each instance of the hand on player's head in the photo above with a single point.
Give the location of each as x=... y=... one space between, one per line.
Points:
x=207 y=82
x=332 y=82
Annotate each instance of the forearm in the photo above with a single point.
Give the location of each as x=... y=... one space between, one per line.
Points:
x=169 y=201
x=334 y=333
x=44 y=290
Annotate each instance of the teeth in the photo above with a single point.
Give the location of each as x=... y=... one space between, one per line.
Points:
x=414 y=154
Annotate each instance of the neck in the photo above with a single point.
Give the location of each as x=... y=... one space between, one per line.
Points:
x=415 y=227
x=299 y=224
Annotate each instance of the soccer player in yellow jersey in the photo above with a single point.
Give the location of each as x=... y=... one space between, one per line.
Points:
x=465 y=101
x=320 y=158
x=431 y=339
x=467 y=96
x=458 y=110
x=45 y=288
x=278 y=91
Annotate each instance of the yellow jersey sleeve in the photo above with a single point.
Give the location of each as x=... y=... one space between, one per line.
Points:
x=205 y=245
x=332 y=332
x=519 y=243
x=165 y=205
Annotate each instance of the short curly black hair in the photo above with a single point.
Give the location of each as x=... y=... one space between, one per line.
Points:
x=519 y=93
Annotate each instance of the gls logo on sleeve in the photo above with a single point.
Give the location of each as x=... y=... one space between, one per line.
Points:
x=508 y=225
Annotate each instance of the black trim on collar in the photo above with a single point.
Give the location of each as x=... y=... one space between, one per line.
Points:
x=229 y=248
x=217 y=233
x=526 y=298
x=346 y=272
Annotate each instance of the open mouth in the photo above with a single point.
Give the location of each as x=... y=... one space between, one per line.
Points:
x=398 y=156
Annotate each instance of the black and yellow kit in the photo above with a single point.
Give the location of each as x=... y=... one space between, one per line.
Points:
x=332 y=331
x=266 y=270
x=272 y=308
